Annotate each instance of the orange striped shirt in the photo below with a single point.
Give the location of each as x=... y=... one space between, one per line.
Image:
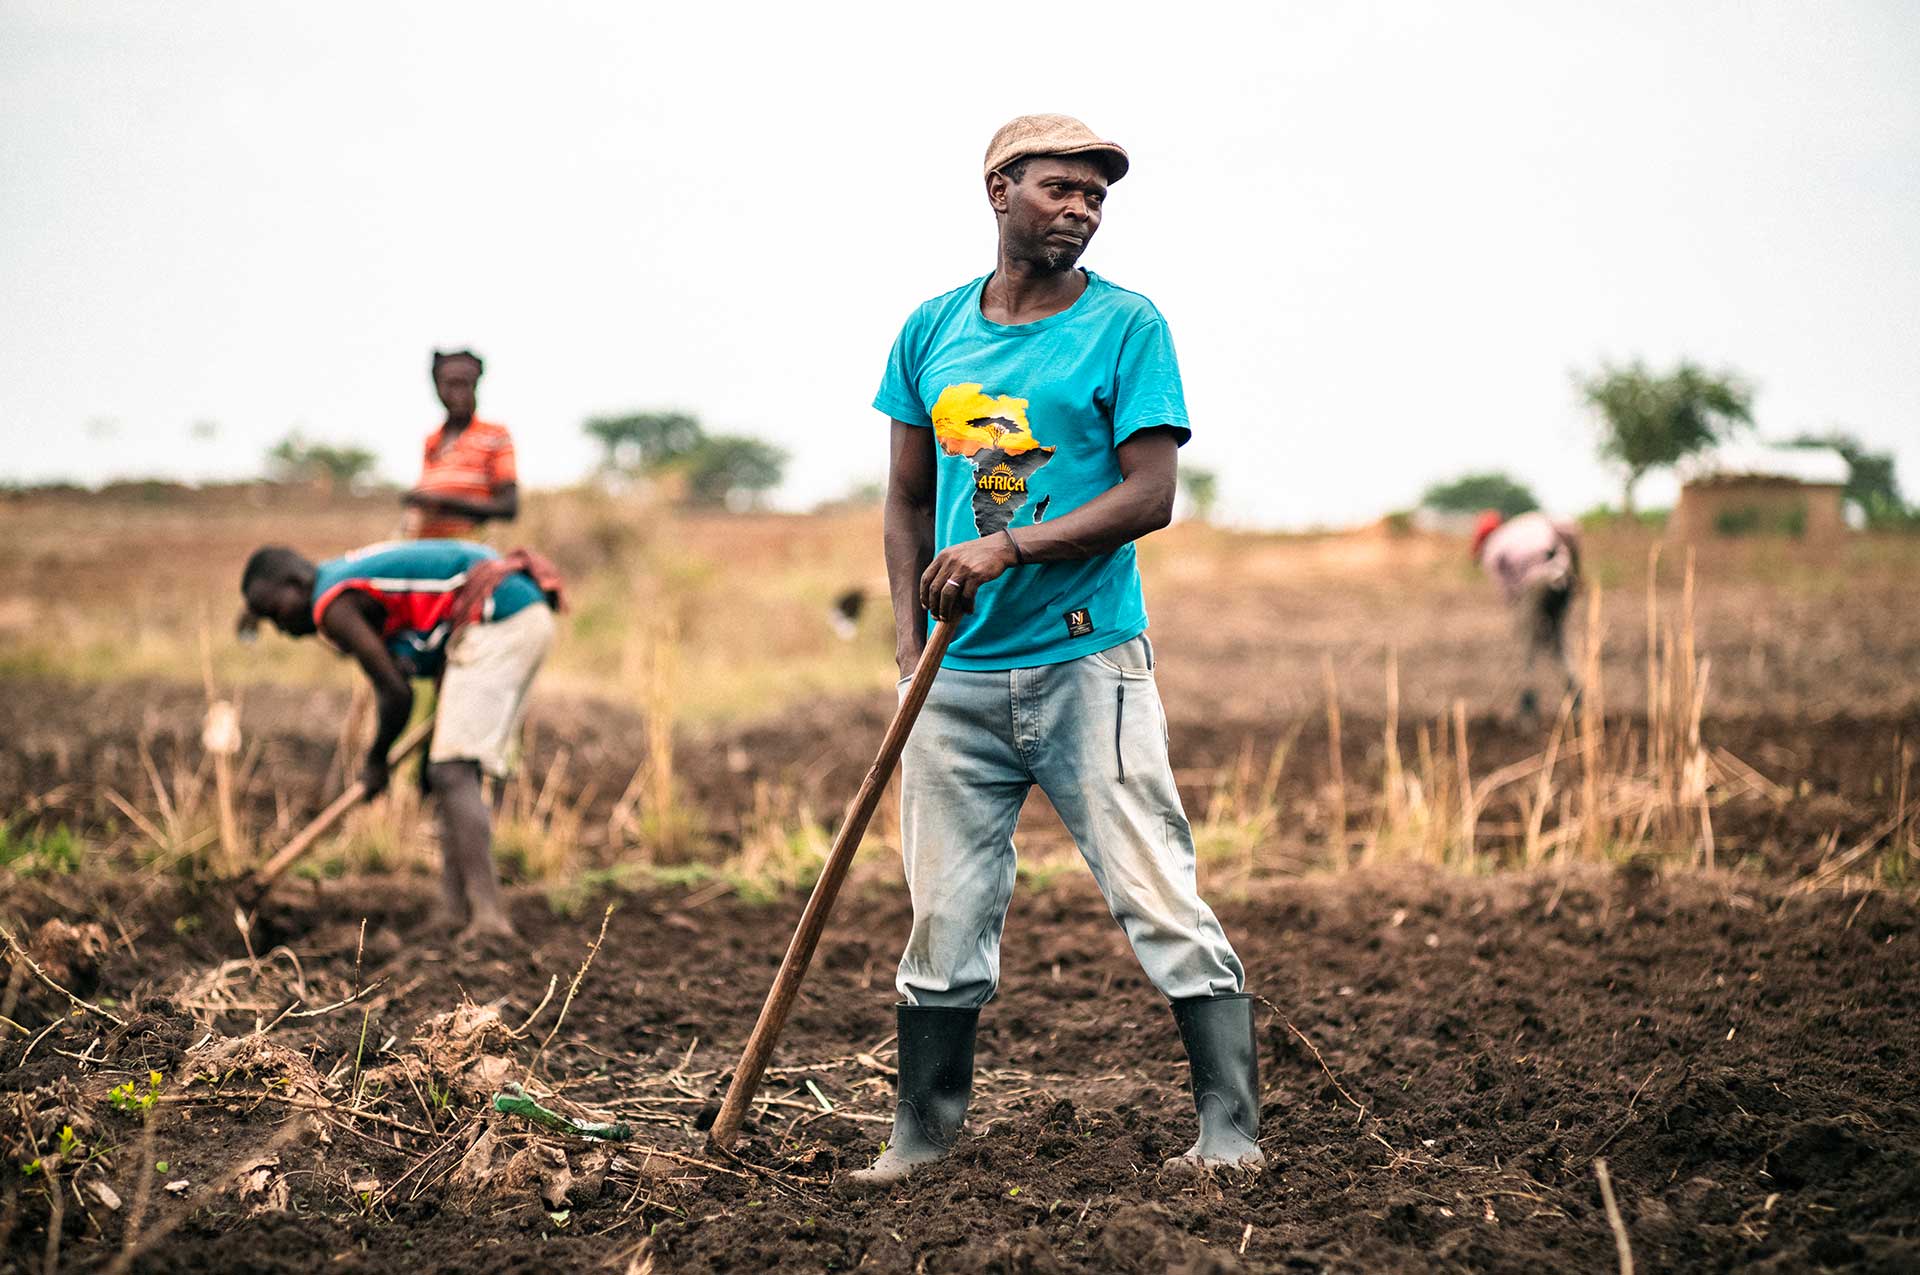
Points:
x=472 y=465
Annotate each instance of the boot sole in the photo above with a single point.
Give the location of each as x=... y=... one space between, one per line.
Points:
x=1188 y=1167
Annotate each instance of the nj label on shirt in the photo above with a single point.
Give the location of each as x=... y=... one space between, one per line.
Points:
x=1079 y=622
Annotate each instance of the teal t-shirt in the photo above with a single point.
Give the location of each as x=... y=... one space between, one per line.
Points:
x=414 y=583
x=1026 y=420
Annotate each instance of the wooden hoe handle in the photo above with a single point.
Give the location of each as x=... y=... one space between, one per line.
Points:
x=806 y=937
x=261 y=879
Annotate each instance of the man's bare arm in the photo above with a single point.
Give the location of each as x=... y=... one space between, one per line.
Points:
x=503 y=504
x=1141 y=503
x=908 y=535
x=1570 y=537
x=351 y=624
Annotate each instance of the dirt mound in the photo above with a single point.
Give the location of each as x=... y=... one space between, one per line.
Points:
x=1818 y=1151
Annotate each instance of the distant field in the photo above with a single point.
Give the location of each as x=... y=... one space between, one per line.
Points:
x=737 y=606
x=697 y=673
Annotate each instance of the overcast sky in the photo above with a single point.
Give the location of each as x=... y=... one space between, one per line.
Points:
x=1385 y=235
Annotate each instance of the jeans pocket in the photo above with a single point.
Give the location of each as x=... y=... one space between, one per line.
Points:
x=1131 y=659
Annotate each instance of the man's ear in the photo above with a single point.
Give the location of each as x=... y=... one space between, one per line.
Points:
x=997 y=187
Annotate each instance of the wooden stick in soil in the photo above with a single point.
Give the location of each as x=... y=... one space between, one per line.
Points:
x=229 y=825
x=806 y=937
x=262 y=878
x=1622 y=1248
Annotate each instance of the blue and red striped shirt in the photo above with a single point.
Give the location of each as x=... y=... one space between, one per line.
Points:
x=415 y=581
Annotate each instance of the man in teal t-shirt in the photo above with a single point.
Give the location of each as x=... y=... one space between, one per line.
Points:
x=1036 y=419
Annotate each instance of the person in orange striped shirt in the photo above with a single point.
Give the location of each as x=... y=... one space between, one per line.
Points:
x=468 y=476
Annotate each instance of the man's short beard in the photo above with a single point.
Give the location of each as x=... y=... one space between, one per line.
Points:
x=1056 y=258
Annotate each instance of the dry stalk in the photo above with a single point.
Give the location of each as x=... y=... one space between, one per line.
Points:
x=661 y=672
x=21 y=955
x=1904 y=832
x=229 y=825
x=1593 y=732
x=1832 y=871
x=652 y=783
x=1244 y=812
x=1268 y=813
x=1620 y=1244
x=541 y=826
x=341 y=769
x=543 y=804
x=1653 y=644
x=138 y=820
x=219 y=738
x=1314 y=1049
x=553 y=981
x=572 y=987
x=1337 y=829
x=452 y=1139
x=1469 y=813
x=169 y=813
x=1395 y=778
x=322 y=1107
x=1543 y=797
x=1429 y=796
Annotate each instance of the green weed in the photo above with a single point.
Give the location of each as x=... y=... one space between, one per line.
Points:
x=1040 y=873
x=40 y=851
x=129 y=1098
x=66 y=1151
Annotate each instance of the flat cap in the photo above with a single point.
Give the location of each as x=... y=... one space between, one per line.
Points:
x=1031 y=135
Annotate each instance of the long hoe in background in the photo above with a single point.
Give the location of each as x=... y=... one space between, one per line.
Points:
x=256 y=884
x=806 y=936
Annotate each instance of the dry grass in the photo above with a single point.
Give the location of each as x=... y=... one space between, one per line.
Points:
x=1585 y=795
x=1242 y=823
x=697 y=619
x=537 y=828
x=1611 y=782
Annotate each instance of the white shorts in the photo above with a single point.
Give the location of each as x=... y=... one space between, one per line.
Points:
x=483 y=694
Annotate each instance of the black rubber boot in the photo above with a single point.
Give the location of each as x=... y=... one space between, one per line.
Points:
x=936 y=1081
x=1218 y=1034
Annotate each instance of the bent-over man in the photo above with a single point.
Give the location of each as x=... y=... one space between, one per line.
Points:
x=1036 y=416
x=460 y=613
x=1536 y=562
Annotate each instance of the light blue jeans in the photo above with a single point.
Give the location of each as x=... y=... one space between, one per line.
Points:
x=1092 y=734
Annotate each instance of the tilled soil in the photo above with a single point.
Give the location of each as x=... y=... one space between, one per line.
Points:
x=1443 y=1060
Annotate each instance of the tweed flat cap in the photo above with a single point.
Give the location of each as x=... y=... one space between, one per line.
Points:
x=1031 y=135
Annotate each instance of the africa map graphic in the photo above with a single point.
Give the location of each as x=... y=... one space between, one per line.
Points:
x=991 y=434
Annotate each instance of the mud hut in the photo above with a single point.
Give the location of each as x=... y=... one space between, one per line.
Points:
x=1757 y=489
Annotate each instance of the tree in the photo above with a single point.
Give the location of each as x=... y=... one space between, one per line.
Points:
x=863 y=492
x=1203 y=490
x=1871 y=481
x=1470 y=493
x=641 y=442
x=1648 y=420
x=731 y=470
x=326 y=465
